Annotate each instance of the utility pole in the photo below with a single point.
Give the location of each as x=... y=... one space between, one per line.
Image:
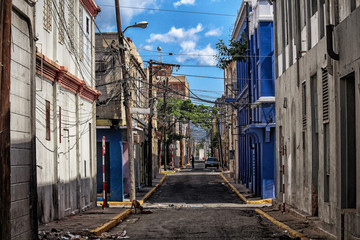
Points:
x=127 y=104
x=150 y=127
x=165 y=90
x=164 y=128
x=5 y=58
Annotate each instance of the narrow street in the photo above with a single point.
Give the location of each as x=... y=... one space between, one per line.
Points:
x=196 y=204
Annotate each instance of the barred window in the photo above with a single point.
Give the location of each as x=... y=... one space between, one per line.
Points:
x=71 y=27
x=62 y=22
x=81 y=33
x=47 y=15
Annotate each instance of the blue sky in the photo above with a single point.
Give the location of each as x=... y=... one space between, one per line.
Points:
x=190 y=37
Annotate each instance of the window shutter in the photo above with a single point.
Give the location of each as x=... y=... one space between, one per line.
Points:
x=325 y=95
x=304 y=104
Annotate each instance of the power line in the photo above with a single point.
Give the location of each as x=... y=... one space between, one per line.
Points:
x=171 y=10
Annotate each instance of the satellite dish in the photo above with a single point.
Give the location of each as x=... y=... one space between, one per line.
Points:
x=159 y=48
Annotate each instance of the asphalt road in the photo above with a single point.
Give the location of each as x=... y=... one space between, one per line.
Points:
x=196 y=204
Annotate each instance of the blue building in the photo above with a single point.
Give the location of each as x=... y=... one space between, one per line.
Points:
x=115 y=164
x=256 y=104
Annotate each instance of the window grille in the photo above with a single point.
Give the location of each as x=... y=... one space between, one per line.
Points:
x=47 y=19
x=304 y=104
x=62 y=22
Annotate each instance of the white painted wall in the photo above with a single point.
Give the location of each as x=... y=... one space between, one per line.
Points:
x=67 y=167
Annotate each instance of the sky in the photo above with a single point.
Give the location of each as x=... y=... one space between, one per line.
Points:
x=190 y=37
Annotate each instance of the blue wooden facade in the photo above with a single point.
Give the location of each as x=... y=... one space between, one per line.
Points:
x=114 y=164
x=256 y=138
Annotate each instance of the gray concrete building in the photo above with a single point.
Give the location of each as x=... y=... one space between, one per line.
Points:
x=317 y=65
x=22 y=129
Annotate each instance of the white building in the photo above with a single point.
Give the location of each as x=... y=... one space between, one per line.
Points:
x=65 y=109
x=317 y=110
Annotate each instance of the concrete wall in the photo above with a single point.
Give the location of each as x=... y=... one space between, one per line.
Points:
x=67 y=161
x=23 y=178
x=301 y=133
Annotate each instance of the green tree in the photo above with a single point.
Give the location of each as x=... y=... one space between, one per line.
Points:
x=185 y=111
x=236 y=51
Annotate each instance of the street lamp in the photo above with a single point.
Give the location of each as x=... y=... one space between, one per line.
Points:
x=142 y=24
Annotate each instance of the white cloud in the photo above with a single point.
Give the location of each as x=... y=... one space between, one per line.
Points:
x=204 y=56
x=177 y=35
x=187 y=39
x=214 y=32
x=184 y=2
x=107 y=17
x=148 y=47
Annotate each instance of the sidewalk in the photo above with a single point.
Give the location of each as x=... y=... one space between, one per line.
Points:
x=82 y=226
x=299 y=224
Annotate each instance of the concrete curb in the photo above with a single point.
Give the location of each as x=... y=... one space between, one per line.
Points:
x=112 y=223
x=291 y=231
x=234 y=189
x=117 y=219
x=146 y=197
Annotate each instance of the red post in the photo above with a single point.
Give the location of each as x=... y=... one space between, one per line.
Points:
x=104 y=180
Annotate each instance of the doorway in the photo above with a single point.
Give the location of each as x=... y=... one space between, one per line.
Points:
x=348 y=141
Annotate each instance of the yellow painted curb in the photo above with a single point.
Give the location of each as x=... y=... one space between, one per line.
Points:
x=116 y=203
x=291 y=231
x=269 y=200
x=168 y=171
x=117 y=219
x=234 y=189
x=113 y=222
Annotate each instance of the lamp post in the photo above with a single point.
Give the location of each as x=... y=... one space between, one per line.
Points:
x=142 y=24
x=126 y=97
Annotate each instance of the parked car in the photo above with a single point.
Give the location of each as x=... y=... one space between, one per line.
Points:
x=212 y=162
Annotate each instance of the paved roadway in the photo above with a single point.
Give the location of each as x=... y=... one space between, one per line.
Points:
x=196 y=204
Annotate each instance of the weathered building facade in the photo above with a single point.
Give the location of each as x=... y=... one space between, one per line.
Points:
x=65 y=108
x=317 y=65
x=111 y=118
x=255 y=98
x=22 y=125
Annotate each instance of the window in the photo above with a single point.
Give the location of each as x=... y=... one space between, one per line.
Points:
x=71 y=29
x=325 y=95
x=348 y=122
x=87 y=25
x=322 y=18
x=352 y=5
x=60 y=124
x=304 y=104
x=62 y=23
x=47 y=19
x=47 y=120
x=326 y=162
x=314 y=7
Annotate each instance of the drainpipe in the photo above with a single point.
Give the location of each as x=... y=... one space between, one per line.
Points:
x=329 y=42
